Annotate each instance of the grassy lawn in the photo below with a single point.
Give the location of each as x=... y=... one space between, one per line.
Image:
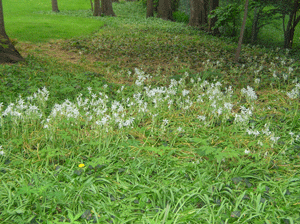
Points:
x=35 y=22
x=145 y=121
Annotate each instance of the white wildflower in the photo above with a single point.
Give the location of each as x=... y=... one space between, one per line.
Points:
x=128 y=122
x=266 y=154
x=179 y=129
x=252 y=132
x=266 y=130
x=201 y=117
x=295 y=93
x=274 y=139
x=285 y=76
x=260 y=143
x=165 y=122
x=247 y=151
x=185 y=92
x=228 y=106
x=249 y=93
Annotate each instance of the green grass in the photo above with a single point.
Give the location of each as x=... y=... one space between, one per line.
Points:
x=175 y=144
x=36 y=23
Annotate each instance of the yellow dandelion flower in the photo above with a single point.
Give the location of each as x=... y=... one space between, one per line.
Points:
x=81 y=165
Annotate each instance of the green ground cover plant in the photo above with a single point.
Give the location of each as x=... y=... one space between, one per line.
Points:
x=153 y=124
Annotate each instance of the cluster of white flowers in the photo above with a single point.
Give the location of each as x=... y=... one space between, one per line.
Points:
x=41 y=94
x=252 y=132
x=249 y=93
x=66 y=109
x=257 y=81
x=220 y=101
x=141 y=77
x=22 y=110
x=295 y=93
x=244 y=116
x=98 y=112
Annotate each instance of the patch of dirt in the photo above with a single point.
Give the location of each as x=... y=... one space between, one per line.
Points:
x=53 y=49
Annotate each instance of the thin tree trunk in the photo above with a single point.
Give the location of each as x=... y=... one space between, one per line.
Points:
x=106 y=8
x=238 y=50
x=97 y=8
x=150 y=8
x=289 y=31
x=165 y=10
x=92 y=5
x=8 y=53
x=55 y=6
x=212 y=21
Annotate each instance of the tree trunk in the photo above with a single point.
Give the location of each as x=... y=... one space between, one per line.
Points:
x=238 y=50
x=289 y=31
x=8 y=53
x=212 y=21
x=150 y=8
x=106 y=8
x=195 y=17
x=255 y=29
x=165 y=10
x=54 y=6
x=92 y=5
x=204 y=12
x=97 y=8
x=199 y=12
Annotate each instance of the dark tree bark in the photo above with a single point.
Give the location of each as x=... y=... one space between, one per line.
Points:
x=165 y=10
x=8 y=53
x=150 y=8
x=97 y=8
x=199 y=12
x=212 y=21
x=204 y=11
x=195 y=17
x=289 y=30
x=106 y=8
x=55 y=6
x=238 y=50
